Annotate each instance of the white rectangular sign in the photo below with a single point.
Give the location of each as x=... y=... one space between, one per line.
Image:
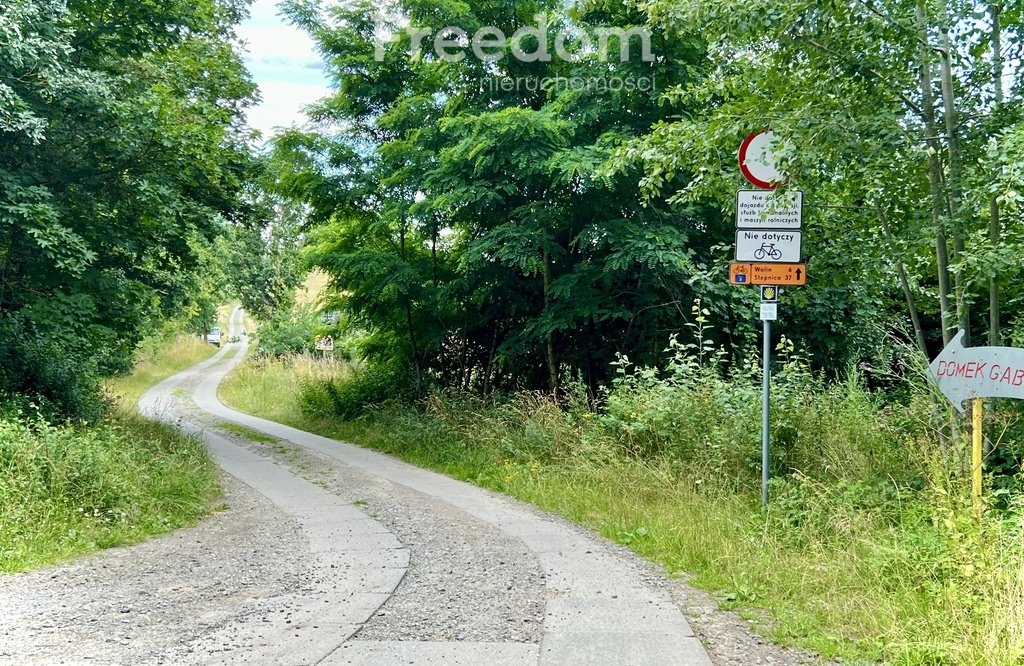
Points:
x=769 y=311
x=765 y=209
x=768 y=246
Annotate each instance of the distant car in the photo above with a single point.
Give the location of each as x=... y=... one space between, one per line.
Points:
x=213 y=337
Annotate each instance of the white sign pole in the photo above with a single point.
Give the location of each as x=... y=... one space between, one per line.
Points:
x=765 y=410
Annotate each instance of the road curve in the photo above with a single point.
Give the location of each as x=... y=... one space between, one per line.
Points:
x=598 y=609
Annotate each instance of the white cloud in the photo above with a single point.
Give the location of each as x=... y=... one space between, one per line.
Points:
x=282 y=105
x=286 y=67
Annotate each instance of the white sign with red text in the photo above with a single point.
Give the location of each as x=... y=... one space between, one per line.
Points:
x=963 y=373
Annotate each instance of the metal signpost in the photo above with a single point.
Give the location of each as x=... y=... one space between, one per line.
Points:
x=974 y=373
x=769 y=244
x=769 y=313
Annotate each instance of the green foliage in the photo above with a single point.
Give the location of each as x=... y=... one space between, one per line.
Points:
x=288 y=331
x=121 y=155
x=261 y=262
x=475 y=232
x=821 y=429
x=35 y=361
x=351 y=396
x=67 y=490
x=898 y=120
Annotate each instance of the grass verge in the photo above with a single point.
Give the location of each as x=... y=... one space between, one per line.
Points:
x=69 y=489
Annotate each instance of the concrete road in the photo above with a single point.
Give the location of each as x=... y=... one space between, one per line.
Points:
x=599 y=607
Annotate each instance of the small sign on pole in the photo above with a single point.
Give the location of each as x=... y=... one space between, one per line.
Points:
x=769 y=246
x=783 y=275
x=757 y=160
x=760 y=209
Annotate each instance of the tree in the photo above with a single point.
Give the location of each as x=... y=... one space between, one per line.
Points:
x=886 y=110
x=121 y=142
x=261 y=257
x=475 y=228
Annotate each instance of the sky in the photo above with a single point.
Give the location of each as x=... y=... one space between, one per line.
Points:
x=285 y=66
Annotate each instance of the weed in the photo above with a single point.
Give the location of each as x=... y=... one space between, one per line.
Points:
x=66 y=490
x=248 y=433
x=70 y=489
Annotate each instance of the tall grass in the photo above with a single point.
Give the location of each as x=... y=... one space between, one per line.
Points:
x=68 y=489
x=868 y=550
x=273 y=387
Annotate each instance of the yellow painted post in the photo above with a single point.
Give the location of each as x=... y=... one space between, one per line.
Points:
x=976 y=441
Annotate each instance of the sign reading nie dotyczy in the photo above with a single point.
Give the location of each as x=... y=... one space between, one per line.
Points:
x=769 y=246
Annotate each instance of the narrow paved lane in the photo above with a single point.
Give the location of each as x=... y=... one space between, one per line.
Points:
x=599 y=607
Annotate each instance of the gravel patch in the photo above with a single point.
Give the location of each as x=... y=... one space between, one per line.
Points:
x=442 y=601
x=467 y=581
x=144 y=604
x=728 y=638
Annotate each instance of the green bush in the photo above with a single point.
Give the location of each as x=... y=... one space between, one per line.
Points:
x=288 y=331
x=71 y=489
x=348 y=397
x=820 y=429
x=48 y=371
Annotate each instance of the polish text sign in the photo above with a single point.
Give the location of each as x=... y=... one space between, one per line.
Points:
x=768 y=246
x=765 y=209
x=963 y=373
x=789 y=275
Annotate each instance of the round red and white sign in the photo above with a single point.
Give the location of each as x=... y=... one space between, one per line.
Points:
x=757 y=160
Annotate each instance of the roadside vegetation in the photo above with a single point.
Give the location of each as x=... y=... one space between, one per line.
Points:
x=68 y=488
x=867 y=551
x=160 y=356
x=513 y=272
x=131 y=206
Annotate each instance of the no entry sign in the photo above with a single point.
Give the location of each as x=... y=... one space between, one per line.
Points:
x=757 y=160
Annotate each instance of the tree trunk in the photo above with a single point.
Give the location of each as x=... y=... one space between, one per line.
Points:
x=955 y=180
x=412 y=343
x=994 y=228
x=934 y=174
x=409 y=322
x=490 y=362
x=939 y=218
x=550 y=338
x=915 y=320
